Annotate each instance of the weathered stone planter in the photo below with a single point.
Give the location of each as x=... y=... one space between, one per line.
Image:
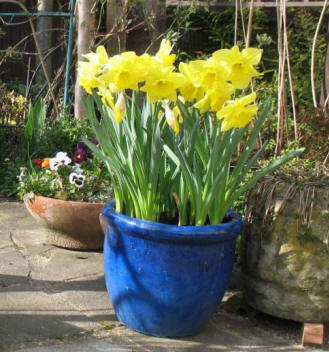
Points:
x=285 y=253
x=73 y=225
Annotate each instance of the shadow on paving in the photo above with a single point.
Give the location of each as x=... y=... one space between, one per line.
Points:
x=24 y=283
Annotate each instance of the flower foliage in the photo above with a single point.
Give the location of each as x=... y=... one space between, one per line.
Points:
x=170 y=145
x=59 y=177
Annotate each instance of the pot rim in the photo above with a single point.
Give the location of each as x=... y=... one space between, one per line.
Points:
x=165 y=232
x=63 y=200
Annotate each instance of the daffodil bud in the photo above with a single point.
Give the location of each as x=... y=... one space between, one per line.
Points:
x=119 y=108
x=121 y=104
x=171 y=119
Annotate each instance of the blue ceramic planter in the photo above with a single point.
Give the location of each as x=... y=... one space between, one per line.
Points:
x=166 y=280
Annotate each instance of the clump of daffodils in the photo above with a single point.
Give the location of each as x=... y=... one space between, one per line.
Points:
x=171 y=144
x=209 y=85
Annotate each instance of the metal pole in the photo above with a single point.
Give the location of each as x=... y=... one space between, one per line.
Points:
x=69 y=55
x=34 y=14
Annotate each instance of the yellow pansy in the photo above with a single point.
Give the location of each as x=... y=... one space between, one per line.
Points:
x=238 y=113
x=240 y=64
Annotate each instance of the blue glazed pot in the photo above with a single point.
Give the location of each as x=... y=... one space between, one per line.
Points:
x=166 y=280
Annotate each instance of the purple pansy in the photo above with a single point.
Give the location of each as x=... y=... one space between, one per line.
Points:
x=79 y=156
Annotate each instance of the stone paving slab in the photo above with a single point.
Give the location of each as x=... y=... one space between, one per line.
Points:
x=52 y=299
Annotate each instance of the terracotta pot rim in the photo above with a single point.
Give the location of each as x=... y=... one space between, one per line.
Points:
x=66 y=201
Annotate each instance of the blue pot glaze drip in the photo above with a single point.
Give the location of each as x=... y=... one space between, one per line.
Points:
x=167 y=280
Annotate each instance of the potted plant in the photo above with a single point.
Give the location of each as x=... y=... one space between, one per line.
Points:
x=67 y=194
x=170 y=237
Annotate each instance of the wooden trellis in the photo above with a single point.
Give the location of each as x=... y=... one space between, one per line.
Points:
x=217 y=4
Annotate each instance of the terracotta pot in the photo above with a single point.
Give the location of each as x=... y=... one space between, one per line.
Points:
x=69 y=224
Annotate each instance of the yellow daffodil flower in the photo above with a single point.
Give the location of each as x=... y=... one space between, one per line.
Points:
x=164 y=85
x=191 y=89
x=99 y=58
x=214 y=74
x=88 y=71
x=238 y=113
x=123 y=72
x=240 y=64
x=163 y=55
x=203 y=104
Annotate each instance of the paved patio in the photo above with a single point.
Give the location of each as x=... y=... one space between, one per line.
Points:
x=52 y=299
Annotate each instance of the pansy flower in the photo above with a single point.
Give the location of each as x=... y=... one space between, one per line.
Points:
x=45 y=163
x=37 y=162
x=60 y=159
x=77 y=180
x=22 y=174
x=79 y=156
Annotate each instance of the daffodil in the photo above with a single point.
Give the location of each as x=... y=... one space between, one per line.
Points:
x=238 y=113
x=213 y=100
x=164 y=85
x=123 y=72
x=191 y=88
x=99 y=58
x=214 y=74
x=163 y=55
x=88 y=71
x=240 y=64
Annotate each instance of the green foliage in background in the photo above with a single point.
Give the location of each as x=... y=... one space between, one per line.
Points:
x=12 y=105
x=198 y=32
x=46 y=139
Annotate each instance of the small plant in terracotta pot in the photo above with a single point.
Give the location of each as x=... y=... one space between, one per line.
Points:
x=66 y=193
